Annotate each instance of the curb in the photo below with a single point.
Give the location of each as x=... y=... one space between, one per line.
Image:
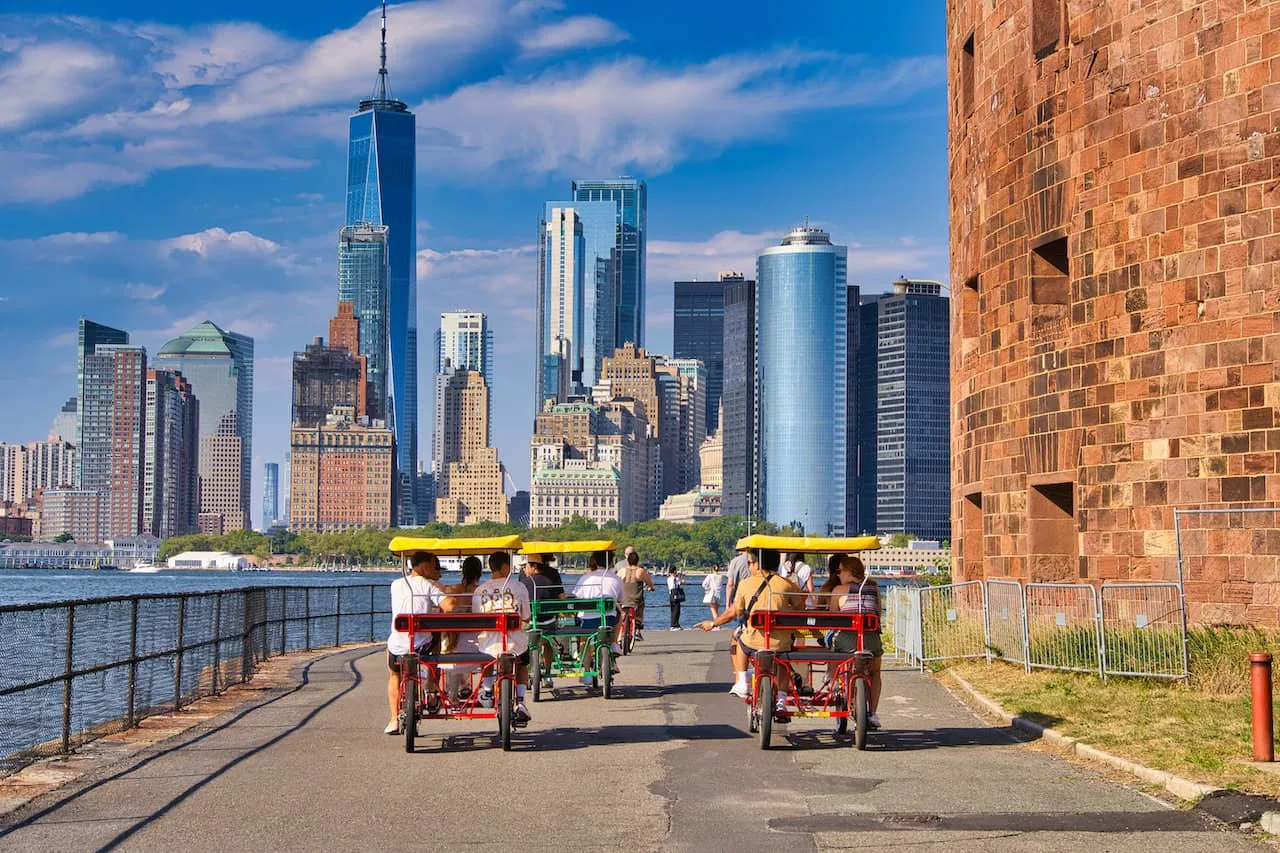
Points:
x=1183 y=789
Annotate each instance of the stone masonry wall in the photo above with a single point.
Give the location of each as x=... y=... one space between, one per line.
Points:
x=1115 y=215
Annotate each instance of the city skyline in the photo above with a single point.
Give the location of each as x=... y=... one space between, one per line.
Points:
x=718 y=190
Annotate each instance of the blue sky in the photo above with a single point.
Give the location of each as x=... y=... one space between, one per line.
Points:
x=166 y=163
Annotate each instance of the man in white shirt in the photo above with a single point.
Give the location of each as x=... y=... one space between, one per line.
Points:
x=503 y=593
x=598 y=583
x=801 y=574
x=417 y=593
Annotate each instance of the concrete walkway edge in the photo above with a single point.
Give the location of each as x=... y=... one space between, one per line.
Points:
x=1183 y=789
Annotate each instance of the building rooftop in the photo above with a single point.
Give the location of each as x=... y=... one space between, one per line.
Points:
x=204 y=339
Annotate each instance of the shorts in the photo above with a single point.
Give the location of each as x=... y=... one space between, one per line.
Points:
x=847 y=641
x=393 y=661
x=711 y=598
x=591 y=622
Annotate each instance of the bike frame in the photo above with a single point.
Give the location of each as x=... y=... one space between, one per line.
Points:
x=850 y=666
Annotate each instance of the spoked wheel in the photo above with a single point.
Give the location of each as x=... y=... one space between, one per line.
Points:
x=605 y=667
x=410 y=714
x=506 y=706
x=842 y=723
x=629 y=636
x=535 y=671
x=765 y=711
x=753 y=718
x=860 y=713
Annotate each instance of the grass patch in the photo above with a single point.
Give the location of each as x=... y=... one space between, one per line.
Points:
x=1200 y=731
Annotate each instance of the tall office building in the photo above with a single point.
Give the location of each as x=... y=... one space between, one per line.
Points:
x=64 y=423
x=561 y=313
x=381 y=191
x=219 y=366
x=465 y=341
x=88 y=336
x=324 y=377
x=270 y=495
x=630 y=199
x=738 y=427
x=909 y=403
x=340 y=475
x=364 y=284
x=699 y=333
x=802 y=369
x=170 y=494
x=468 y=474
x=684 y=382
x=28 y=469
x=112 y=415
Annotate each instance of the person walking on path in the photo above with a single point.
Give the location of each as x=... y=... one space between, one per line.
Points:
x=620 y=567
x=675 y=594
x=713 y=590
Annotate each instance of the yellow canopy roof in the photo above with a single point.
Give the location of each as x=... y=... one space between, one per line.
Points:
x=457 y=546
x=582 y=546
x=811 y=544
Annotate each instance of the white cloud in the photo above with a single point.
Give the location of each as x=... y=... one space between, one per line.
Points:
x=631 y=113
x=42 y=79
x=580 y=32
x=219 y=241
x=144 y=292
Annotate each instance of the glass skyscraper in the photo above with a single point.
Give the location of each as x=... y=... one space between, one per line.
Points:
x=906 y=393
x=381 y=191
x=802 y=375
x=364 y=281
x=630 y=199
x=586 y=285
x=270 y=495
x=89 y=335
x=219 y=366
x=699 y=333
x=740 y=456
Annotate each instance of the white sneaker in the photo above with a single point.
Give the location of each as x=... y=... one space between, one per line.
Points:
x=873 y=721
x=739 y=689
x=393 y=728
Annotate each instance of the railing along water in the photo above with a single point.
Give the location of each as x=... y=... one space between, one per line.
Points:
x=71 y=671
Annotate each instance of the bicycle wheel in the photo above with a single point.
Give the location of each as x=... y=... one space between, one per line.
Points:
x=629 y=634
x=506 y=706
x=410 y=714
x=765 y=705
x=535 y=671
x=842 y=723
x=860 y=713
x=605 y=659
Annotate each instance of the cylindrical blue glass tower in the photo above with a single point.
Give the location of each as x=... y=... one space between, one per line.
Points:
x=802 y=381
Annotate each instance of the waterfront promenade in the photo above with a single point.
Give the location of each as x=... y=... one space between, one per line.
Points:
x=669 y=766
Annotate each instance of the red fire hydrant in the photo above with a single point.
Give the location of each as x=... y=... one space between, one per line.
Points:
x=1260 y=684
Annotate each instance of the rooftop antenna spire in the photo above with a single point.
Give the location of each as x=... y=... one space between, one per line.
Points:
x=382 y=69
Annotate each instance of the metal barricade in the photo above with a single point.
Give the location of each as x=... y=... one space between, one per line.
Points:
x=901 y=633
x=1063 y=627
x=1006 y=621
x=953 y=621
x=1143 y=630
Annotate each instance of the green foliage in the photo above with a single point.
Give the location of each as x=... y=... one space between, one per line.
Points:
x=901 y=540
x=663 y=543
x=64 y=537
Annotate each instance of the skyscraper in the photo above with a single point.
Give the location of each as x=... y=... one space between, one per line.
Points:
x=741 y=480
x=699 y=333
x=112 y=412
x=802 y=371
x=468 y=474
x=465 y=341
x=170 y=495
x=364 y=282
x=270 y=495
x=381 y=191
x=219 y=366
x=88 y=336
x=340 y=475
x=561 y=312
x=324 y=377
x=909 y=401
x=630 y=199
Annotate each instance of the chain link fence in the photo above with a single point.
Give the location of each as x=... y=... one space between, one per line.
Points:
x=73 y=671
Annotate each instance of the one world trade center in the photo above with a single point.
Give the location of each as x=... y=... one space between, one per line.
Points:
x=381 y=192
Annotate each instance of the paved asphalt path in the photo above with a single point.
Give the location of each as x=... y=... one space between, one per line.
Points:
x=668 y=766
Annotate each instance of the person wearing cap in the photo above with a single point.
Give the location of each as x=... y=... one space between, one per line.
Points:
x=544 y=584
x=763 y=591
x=504 y=594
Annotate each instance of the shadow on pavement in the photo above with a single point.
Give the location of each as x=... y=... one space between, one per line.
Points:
x=563 y=739
x=908 y=740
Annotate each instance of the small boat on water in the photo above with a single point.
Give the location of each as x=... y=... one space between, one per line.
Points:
x=145 y=567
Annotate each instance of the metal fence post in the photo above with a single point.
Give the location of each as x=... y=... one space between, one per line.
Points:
x=371 y=608
x=919 y=594
x=337 y=620
x=66 y=681
x=177 y=667
x=246 y=632
x=284 y=622
x=129 y=721
x=217 y=641
x=1026 y=631
x=1102 y=634
x=306 y=615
